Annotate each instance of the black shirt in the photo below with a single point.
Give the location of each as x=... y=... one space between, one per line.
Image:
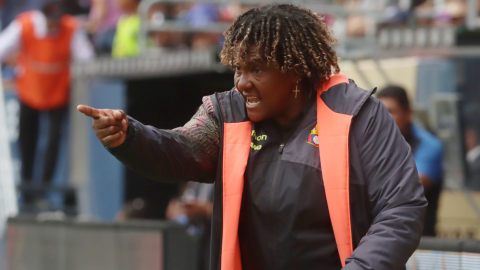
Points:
x=284 y=219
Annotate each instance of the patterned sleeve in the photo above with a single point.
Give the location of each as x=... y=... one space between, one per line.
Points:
x=188 y=153
x=202 y=130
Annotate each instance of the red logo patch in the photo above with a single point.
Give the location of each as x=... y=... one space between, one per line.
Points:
x=313 y=137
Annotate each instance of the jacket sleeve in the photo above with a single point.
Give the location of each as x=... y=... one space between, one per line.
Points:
x=188 y=153
x=395 y=193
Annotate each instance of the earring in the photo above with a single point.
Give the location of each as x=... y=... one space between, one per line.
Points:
x=296 y=90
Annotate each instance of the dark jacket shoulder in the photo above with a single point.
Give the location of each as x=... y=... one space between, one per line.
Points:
x=346 y=98
x=229 y=107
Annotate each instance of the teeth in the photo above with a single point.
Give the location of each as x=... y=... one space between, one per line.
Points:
x=253 y=100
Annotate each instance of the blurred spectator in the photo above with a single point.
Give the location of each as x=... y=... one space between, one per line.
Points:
x=356 y=26
x=394 y=15
x=125 y=43
x=135 y=209
x=194 y=208
x=47 y=40
x=427 y=150
x=160 y=13
x=472 y=145
x=102 y=24
x=194 y=203
x=75 y=7
x=230 y=11
x=201 y=15
x=453 y=13
x=196 y=15
x=398 y=12
x=426 y=7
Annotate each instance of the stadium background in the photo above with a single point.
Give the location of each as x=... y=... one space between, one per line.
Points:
x=434 y=58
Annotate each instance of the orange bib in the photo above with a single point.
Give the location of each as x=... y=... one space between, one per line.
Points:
x=333 y=133
x=44 y=65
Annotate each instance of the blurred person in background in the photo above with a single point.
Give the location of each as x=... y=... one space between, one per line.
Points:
x=76 y=8
x=472 y=144
x=452 y=13
x=202 y=15
x=125 y=43
x=427 y=150
x=194 y=209
x=310 y=172
x=47 y=41
x=102 y=24
x=134 y=209
x=229 y=11
x=157 y=15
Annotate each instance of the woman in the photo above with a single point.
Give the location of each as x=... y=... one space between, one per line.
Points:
x=310 y=172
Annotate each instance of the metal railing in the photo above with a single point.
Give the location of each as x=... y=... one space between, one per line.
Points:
x=35 y=243
x=446 y=254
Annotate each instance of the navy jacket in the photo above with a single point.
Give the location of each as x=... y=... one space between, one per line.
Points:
x=283 y=197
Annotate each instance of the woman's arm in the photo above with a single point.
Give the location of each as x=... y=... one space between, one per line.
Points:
x=395 y=193
x=98 y=12
x=188 y=153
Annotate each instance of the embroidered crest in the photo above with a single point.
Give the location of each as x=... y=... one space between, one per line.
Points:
x=313 y=137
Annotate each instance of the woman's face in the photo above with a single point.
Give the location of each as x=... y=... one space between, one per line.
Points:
x=268 y=93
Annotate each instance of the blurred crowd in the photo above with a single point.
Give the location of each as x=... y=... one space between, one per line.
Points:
x=391 y=13
x=113 y=26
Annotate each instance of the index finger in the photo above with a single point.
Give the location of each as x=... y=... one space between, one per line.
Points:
x=89 y=111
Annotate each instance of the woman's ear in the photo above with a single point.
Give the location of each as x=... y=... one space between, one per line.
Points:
x=298 y=79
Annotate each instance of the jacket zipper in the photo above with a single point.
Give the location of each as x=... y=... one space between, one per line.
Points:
x=277 y=168
x=274 y=180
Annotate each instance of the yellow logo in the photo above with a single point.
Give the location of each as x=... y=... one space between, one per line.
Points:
x=257 y=138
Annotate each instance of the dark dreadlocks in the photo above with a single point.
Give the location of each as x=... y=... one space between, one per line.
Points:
x=288 y=36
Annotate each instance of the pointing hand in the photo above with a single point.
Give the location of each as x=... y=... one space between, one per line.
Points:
x=110 y=126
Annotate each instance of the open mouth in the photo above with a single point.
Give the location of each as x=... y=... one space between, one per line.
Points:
x=252 y=101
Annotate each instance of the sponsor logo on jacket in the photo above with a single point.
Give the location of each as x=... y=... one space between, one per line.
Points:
x=258 y=138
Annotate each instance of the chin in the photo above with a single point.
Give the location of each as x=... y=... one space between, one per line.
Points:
x=255 y=117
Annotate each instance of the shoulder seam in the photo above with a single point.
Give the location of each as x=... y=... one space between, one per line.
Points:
x=360 y=104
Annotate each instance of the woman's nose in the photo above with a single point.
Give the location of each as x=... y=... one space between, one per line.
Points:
x=244 y=83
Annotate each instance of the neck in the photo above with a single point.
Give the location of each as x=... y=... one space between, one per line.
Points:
x=294 y=110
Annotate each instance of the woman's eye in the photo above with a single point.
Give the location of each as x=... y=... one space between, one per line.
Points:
x=236 y=68
x=256 y=70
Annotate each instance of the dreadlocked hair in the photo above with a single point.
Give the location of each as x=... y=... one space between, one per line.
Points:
x=286 y=36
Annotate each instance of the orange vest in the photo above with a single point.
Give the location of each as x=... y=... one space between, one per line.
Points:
x=334 y=158
x=44 y=65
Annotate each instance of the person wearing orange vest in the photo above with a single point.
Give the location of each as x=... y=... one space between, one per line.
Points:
x=310 y=171
x=47 y=42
